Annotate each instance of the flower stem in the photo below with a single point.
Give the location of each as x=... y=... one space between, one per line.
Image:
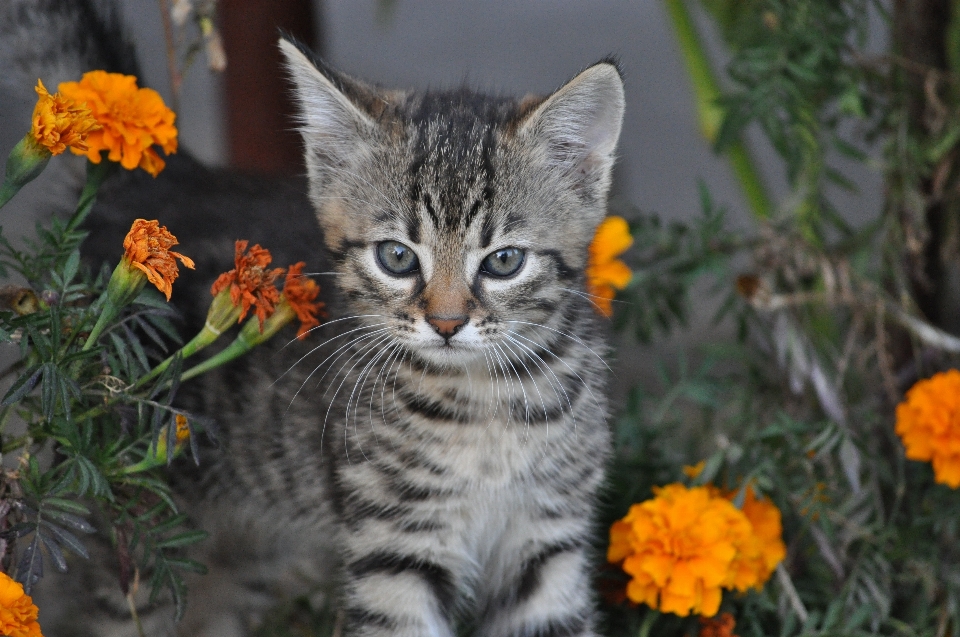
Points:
x=648 y=621
x=107 y=314
x=237 y=348
x=205 y=337
x=96 y=175
x=7 y=191
x=710 y=113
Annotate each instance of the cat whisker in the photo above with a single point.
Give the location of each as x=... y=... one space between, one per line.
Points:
x=554 y=384
x=359 y=354
x=361 y=382
x=583 y=295
x=383 y=368
x=565 y=364
x=490 y=375
x=544 y=367
x=570 y=336
x=523 y=389
x=315 y=369
x=494 y=366
x=325 y=324
x=315 y=348
x=406 y=353
x=526 y=405
x=589 y=297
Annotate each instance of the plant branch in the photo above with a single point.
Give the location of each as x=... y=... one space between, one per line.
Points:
x=710 y=114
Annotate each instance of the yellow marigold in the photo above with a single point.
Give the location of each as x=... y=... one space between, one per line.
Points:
x=721 y=626
x=132 y=120
x=147 y=248
x=18 y=613
x=183 y=430
x=678 y=547
x=59 y=122
x=693 y=470
x=605 y=272
x=928 y=423
x=759 y=552
x=767 y=526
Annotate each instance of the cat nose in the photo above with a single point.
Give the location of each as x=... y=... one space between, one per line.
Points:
x=447 y=327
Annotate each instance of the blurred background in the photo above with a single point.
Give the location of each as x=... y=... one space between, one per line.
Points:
x=240 y=117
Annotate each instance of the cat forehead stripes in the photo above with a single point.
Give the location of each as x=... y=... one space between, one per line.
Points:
x=453 y=139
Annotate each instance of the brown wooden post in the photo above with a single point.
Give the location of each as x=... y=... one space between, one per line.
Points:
x=260 y=126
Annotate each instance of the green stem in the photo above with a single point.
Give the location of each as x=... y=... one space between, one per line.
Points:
x=107 y=314
x=96 y=175
x=7 y=191
x=205 y=337
x=710 y=114
x=648 y=621
x=237 y=348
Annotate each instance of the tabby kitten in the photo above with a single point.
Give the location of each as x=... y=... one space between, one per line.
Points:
x=437 y=450
x=459 y=226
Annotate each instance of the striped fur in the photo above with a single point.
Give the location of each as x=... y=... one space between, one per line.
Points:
x=463 y=471
x=442 y=484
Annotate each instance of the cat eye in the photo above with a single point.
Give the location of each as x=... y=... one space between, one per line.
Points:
x=396 y=258
x=503 y=262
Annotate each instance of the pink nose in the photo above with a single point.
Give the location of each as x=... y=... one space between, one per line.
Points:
x=446 y=327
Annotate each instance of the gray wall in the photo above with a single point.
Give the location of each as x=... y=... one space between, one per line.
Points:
x=509 y=46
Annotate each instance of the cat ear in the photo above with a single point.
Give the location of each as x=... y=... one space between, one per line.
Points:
x=335 y=131
x=578 y=126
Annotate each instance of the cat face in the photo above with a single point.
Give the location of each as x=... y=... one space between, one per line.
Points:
x=455 y=218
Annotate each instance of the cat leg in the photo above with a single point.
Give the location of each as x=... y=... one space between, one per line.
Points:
x=389 y=593
x=548 y=595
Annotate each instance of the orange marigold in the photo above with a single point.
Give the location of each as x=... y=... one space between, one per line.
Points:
x=147 y=248
x=721 y=626
x=18 y=613
x=678 y=547
x=250 y=283
x=928 y=423
x=605 y=272
x=183 y=430
x=759 y=552
x=59 y=122
x=132 y=120
x=301 y=292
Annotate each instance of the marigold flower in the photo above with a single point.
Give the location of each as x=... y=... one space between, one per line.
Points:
x=300 y=293
x=767 y=526
x=605 y=272
x=693 y=470
x=759 y=552
x=183 y=430
x=678 y=547
x=147 y=248
x=132 y=120
x=59 y=122
x=686 y=544
x=18 y=613
x=721 y=626
x=250 y=283
x=146 y=257
x=928 y=423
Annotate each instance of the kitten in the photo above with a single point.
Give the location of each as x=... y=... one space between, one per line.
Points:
x=438 y=449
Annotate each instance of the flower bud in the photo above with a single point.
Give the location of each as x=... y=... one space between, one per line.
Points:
x=24 y=164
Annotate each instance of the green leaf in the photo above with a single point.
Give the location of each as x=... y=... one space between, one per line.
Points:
x=71 y=267
x=69 y=506
x=23 y=386
x=192 y=566
x=183 y=539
